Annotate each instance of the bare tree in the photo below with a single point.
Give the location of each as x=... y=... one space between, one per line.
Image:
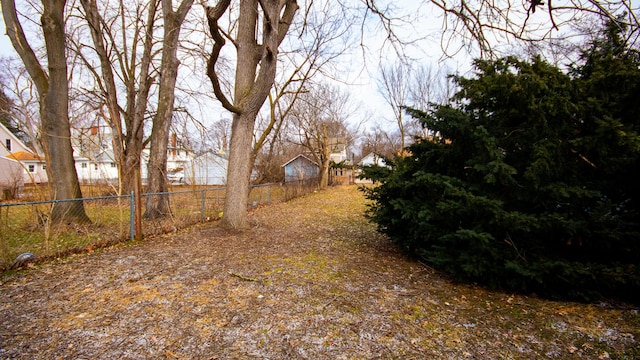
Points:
x=322 y=38
x=394 y=86
x=159 y=205
x=122 y=68
x=17 y=84
x=53 y=90
x=220 y=134
x=471 y=26
x=380 y=142
x=320 y=125
x=261 y=27
x=429 y=86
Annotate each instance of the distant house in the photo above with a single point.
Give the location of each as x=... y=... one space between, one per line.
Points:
x=178 y=157
x=11 y=178
x=338 y=150
x=372 y=159
x=341 y=176
x=32 y=166
x=10 y=142
x=368 y=160
x=96 y=163
x=209 y=168
x=101 y=168
x=300 y=168
x=94 y=159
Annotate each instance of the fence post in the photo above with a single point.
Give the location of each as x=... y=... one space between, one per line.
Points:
x=132 y=218
x=137 y=188
x=202 y=206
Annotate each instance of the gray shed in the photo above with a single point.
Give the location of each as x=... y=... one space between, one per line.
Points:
x=300 y=168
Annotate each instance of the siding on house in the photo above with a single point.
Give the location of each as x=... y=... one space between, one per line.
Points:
x=96 y=171
x=11 y=176
x=10 y=143
x=371 y=159
x=15 y=154
x=34 y=166
x=207 y=169
x=300 y=168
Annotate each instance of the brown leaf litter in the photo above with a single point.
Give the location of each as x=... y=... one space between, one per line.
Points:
x=311 y=279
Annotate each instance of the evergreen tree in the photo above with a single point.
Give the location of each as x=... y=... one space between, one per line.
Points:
x=528 y=184
x=6 y=117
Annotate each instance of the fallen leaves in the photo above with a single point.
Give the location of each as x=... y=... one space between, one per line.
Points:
x=313 y=281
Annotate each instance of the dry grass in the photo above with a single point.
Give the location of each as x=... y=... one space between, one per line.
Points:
x=311 y=280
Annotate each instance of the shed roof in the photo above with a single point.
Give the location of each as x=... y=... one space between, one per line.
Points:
x=292 y=160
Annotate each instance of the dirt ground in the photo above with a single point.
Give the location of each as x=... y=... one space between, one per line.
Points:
x=311 y=279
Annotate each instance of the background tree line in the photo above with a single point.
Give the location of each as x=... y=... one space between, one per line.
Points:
x=122 y=58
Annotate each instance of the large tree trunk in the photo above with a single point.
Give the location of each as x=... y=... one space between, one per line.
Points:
x=54 y=106
x=158 y=205
x=61 y=169
x=251 y=87
x=239 y=172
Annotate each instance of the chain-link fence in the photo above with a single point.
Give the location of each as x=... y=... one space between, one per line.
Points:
x=54 y=228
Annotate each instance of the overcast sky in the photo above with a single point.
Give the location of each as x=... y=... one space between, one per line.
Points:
x=421 y=28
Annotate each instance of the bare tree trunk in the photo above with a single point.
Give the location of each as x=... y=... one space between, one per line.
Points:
x=53 y=89
x=158 y=205
x=252 y=86
x=127 y=135
x=324 y=158
x=137 y=102
x=239 y=172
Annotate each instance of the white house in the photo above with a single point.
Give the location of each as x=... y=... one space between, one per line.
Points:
x=95 y=162
x=209 y=168
x=99 y=169
x=372 y=159
x=178 y=159
x=33 y=166
x=338 y=150
x=11 y=178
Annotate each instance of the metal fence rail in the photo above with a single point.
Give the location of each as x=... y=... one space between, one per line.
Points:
x=27 y=226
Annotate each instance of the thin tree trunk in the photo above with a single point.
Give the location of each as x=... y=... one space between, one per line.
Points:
x=158 y=205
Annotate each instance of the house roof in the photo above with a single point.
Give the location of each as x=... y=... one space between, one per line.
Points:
x=292 y=160
x=214 y=154
x=25 y=156
x=14 y=137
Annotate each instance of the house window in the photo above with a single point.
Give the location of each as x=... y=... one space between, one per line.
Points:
x=7 y=143
x=32 y=168
x=95 y=166
x=113 y=165
x=84 y=165
x=44 y=167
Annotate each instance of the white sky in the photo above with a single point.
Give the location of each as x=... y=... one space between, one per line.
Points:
x=364 y=61
x=420 y=26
